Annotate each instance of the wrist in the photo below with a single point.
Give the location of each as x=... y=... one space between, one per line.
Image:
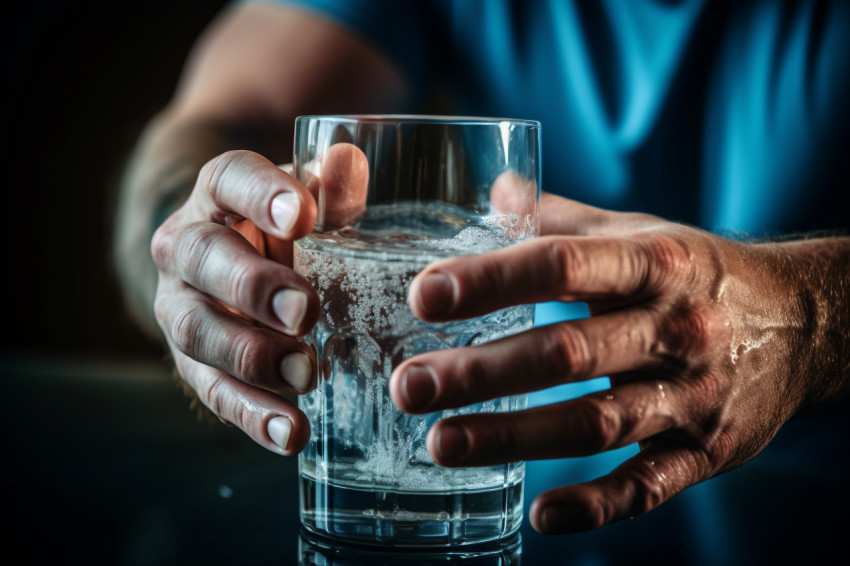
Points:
x=816 y=273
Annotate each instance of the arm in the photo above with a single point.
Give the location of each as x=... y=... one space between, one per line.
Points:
x=256 y=69
x=711 y=346
x=206 y=218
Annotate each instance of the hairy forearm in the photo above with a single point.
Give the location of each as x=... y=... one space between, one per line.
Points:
x=159 y=176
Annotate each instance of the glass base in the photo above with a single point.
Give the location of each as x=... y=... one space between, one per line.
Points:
x=314 y=549
x=414 y=519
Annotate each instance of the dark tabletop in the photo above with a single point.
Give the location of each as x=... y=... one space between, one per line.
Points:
x=105 y=464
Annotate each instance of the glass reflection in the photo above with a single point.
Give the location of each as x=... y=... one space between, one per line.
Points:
x=315 y=551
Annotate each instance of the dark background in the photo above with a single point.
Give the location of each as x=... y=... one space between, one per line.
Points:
x=80 y=79
x=106 y=465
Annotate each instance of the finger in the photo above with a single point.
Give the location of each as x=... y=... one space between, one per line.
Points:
x=640 y=484
x=576 y=350
x=268 y=246
x=246 y=185
x=588 y=425
x=515 y=196
x=339 y=181
x=554 y=268
x=562 y=216
x=216 y=260
x=268 y=419
x=559 y=215
x=204 y=330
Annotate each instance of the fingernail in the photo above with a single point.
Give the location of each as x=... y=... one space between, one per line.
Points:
x=285 y=209
x=451 y=442
x=290 y=305
x=279 y=429
x=418 y=386
x=436 y=293
x=551 y=519
x=297 y=370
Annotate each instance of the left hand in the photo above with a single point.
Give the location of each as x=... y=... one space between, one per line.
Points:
x=707 y=343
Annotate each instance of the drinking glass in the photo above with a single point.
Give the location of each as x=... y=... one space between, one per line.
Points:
x=394 y=194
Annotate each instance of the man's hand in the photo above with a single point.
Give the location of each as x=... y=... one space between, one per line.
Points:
x=231 y=315
x=229 y=304
x=710 y=346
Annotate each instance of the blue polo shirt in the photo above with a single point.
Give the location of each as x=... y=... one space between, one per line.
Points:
x=732 y=116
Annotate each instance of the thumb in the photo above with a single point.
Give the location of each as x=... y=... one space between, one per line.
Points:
x=339 y=181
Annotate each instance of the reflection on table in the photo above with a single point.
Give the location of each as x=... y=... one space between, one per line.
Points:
x=313 y=550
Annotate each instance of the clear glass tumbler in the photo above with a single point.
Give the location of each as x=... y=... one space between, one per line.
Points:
x=396 y=193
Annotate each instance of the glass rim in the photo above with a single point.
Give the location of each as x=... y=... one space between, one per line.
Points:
x=439 y=119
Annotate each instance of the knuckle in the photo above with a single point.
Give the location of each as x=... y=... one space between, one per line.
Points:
x=691 y=329
x=187 y=328
x=716 y=446
x=650 y=486
x=722 y=449
x=223 y=178
x=249 y=419
x=219 y=396
x=240 y=286
x=602 y=424
x=567 y=351
x=213 y=172
x=669 y=260
x=634 y=266
x=698 y=323
x=707 y=388
x=160 y=247
x=569 y=264
x=193 y=248
x=161 y=310
x=243 y=355
x=215 y=396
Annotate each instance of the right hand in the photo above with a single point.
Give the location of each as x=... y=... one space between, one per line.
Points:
x=229 y=304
